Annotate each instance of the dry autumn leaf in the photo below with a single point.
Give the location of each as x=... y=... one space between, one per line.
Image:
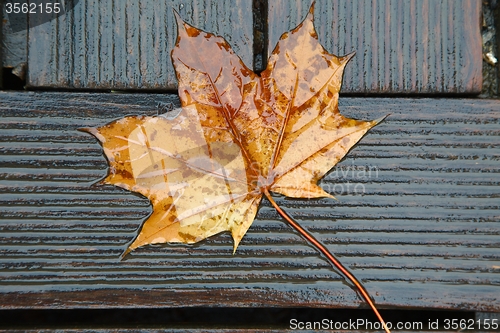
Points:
x=238 y=137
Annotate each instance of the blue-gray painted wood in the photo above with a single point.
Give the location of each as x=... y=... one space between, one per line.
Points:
x=115 y=44
x=402 y=46
x=13 y=44
x=418 y=217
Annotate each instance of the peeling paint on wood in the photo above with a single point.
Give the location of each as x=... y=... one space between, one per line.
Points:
x=114 y=44
x=417 y=218
x=417 y=46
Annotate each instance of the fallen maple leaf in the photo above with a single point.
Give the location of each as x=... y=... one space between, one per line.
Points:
x=238 y=136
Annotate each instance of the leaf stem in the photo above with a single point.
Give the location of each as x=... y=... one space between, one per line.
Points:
x=309 y=237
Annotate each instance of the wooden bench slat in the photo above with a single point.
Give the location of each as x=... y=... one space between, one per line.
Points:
x=422 y=46
x=116 y=44
x=422 y=233
x=418 y=47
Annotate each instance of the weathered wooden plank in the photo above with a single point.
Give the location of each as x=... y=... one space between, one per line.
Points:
x=404 y=47
x=126 y=44
x=13 y=44
x=417 y=218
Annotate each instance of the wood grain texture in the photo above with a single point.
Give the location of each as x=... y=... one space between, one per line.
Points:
x=115 y=44
x=424 y=46
x=417 y=218
x=14 y=46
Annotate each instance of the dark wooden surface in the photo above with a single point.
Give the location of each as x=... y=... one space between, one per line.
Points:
x=116 y=44
x=422 y=230
x=422 y=46
x=14 y=45
x=402 y=47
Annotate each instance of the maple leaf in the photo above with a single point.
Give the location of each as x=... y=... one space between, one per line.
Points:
x=238 y=137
